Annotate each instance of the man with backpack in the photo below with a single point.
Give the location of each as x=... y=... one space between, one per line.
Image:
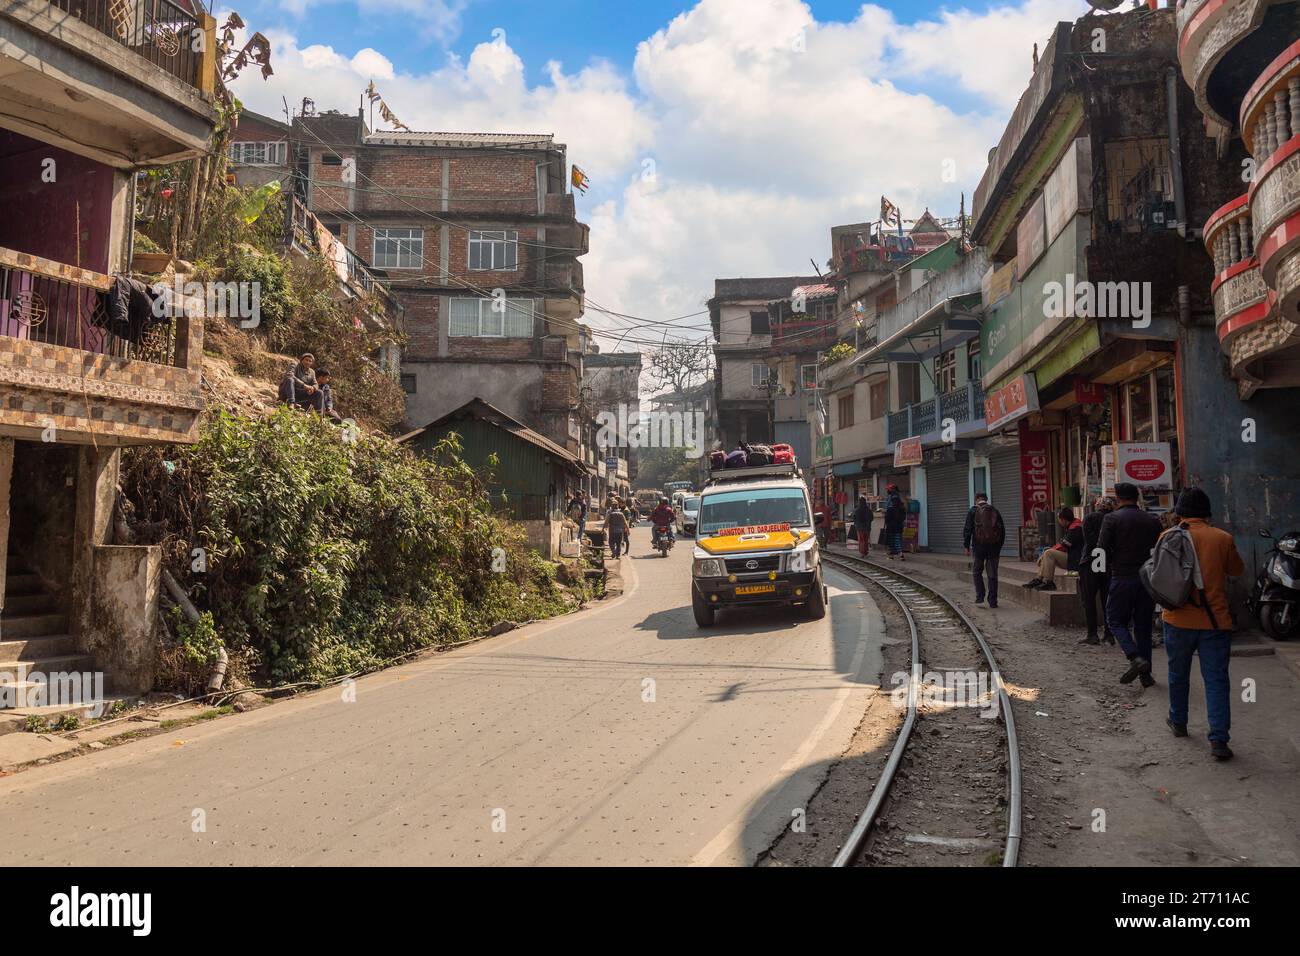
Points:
x=1127 y=536
x=1188 y=575
x=983 y=537
x=895 y=519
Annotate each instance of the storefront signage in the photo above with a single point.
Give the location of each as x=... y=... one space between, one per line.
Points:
x=1149 y=465
x=908 y=452
x=826 y=446
x=1035 y=473
x=1011 y=402
x=1067 y=189
x=1089 y=393
x=1108 y=470
x=944 y=455
x=1031 y=237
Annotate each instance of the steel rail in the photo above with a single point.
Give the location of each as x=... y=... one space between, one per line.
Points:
x=857 y=837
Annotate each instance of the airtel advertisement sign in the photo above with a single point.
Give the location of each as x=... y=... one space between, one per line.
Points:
x=1146 y=464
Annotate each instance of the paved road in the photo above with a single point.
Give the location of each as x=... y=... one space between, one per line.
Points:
x=620 y=735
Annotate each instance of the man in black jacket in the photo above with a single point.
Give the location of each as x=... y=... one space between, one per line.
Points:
x=1127 y=536
x=983 y=537
x=895 y=520
x=1094 y=579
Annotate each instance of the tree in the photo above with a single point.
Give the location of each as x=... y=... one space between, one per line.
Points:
x=678 y=367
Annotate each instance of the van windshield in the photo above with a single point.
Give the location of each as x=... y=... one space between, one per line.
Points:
x=691 y=504
x=730 y=509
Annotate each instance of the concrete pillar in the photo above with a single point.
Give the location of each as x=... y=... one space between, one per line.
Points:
x=6 y=470
x=96 y=494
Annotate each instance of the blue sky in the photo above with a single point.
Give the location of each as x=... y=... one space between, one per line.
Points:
x=764 y=122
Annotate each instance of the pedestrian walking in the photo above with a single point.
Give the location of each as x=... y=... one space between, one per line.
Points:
x=983 y=537
x=1062 y=556
x=895 y=519
x=577 y=510
x=1094 y=580
x=1203 y=626
x=1127 y=536
x=862 y=518
x=616 y=531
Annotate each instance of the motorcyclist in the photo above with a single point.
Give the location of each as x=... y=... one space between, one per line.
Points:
x=662 y=517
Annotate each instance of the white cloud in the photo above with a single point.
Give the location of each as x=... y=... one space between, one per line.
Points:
x=765 y=128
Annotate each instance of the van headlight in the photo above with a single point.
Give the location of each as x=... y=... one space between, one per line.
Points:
x=708 y=568
x=804 y=558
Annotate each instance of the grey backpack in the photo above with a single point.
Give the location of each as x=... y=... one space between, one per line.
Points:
x=1172 y=575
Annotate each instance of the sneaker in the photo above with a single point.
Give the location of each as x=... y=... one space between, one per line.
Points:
x=1146 y=680
x=1109 y=638
x=1047 y=586
x=1220 y=751
x=1033 y=583
x=1137 y=665
x=993 y=604
x=1178 y=730
x=979 y=601
x=1090 y=639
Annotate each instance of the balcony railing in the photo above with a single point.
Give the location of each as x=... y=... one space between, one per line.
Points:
x=157 y=30
x=964 y=406
x=57 y=304
x=308 y=232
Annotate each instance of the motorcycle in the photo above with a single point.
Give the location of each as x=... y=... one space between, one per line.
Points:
x=1275 y=599
x=663 y=540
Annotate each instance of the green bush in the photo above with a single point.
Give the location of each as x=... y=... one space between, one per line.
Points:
x=325 y=556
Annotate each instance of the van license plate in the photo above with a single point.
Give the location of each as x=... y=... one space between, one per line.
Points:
x=755 y=589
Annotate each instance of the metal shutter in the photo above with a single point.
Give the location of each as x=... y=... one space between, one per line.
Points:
x=947 y=488
x=1004 y=491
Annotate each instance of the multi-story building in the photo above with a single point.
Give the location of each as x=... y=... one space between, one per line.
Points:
x=93 y=93
x=259 y=150
x=1099 y=337
x=476 y=234
x=745 y=387
x=611 y=393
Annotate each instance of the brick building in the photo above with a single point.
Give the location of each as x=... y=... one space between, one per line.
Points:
x=476 y=235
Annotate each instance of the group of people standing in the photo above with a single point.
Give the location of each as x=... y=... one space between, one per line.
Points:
x=1108 y=550
x=620 y=514
x=895 y=517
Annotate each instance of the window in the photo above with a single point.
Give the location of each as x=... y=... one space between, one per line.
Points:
x=477 y=318
x=808 y=378
x=398 y=249
x=494 y=251
x=760 y=323
x=1139 y=188
x=408 y=384
x=259 y=154
x=329 y=159
x=759 y=375
x=909 y=383
x=1138 y=397
x=945 y=372
x=879 y=399
x=974 y=362
x=760 y=506
x=845 y=410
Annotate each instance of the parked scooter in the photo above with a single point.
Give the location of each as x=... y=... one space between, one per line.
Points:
x=1275 y=599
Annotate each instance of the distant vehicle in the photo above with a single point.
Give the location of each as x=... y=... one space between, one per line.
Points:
x=663 y=540
x=687 y=514
x=755 y=544
x=672 y=487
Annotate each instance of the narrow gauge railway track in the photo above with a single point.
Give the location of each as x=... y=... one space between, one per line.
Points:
x=950 y=769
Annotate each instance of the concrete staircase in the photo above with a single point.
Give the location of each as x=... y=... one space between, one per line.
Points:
x=33 y=638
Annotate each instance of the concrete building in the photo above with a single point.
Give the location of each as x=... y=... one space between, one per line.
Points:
x=476 y=235
x=92 y=96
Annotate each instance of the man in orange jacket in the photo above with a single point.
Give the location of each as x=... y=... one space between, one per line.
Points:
x=1205 y=627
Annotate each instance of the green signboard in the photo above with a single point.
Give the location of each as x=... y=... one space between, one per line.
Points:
x=826 y=446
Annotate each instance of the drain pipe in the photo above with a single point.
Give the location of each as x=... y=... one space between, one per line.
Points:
x=217 y=677
x=1176 y=150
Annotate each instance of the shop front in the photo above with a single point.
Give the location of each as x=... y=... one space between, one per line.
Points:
x=947 y=497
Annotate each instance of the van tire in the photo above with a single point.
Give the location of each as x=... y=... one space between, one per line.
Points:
x=814 y=608
x=704 y=612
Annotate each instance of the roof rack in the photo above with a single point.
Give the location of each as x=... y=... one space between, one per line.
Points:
x=720 y=476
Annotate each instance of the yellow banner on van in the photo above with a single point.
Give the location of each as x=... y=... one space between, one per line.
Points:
x=771 y=537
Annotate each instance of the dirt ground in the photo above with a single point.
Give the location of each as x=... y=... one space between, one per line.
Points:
x=1105 y=783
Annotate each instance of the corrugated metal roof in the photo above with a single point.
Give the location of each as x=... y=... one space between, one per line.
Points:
x=460 y=139
x=477 y=408
x=814 y=291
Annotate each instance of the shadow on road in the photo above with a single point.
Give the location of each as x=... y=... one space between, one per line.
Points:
x=678 y=624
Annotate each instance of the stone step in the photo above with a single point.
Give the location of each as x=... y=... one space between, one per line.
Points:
x=19 y=670
x=37 y=648
x=17 y=605
x=32 y=625
x=1008 y=573
x=21 y=583
x=15 y=721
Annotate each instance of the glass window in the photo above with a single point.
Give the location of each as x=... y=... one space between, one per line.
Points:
x=974 y=368
x=808 y=377
x=945 y=372
x=729 y=509
x=494 y=251
x=760 y=323
x=1140 y=419
x=398 y=249
x=879 y=399
x=845 y=410
x=759 y=375
x=476 y=318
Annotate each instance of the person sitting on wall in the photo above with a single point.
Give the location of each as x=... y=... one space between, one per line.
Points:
x=323 y=400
